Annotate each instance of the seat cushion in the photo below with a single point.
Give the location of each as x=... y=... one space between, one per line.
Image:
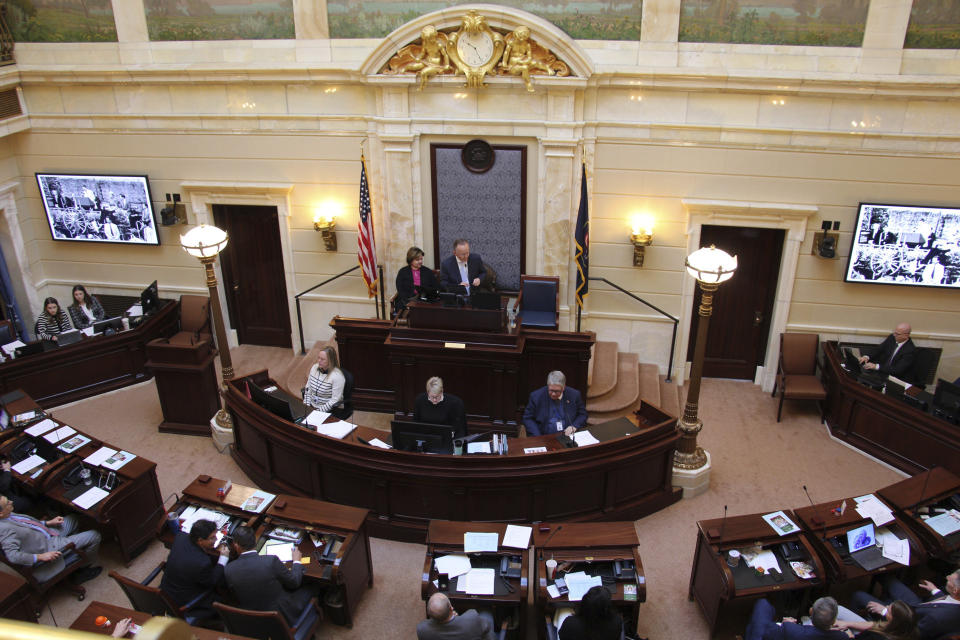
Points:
x=808 y=387
x=538 y=318
x=303 y=630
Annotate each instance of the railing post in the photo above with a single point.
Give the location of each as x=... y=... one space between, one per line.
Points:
x=383 y=301
x=300 y=325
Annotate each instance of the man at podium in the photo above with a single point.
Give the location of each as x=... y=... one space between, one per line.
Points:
x=462 y=271
x=554 y=408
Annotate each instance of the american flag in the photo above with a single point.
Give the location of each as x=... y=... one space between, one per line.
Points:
x=366 y=247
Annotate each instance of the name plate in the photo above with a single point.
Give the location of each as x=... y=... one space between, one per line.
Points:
x=454 y=345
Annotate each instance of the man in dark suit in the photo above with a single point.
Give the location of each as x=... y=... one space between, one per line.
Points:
x=935 y=618
x=462 y=271
x=443 y=623
x=263 y=583
x=895 y=355
x=823 y=615
x=554 y=408
x=191 y=569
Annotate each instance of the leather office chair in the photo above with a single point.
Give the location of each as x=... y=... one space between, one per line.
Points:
x=538 y=304
x=347 y=410
x=40 y=591
x=796 y=373
x=267 y=625
x=194 y=320
x=924 y=366
x=152 y=600
x=7 y=333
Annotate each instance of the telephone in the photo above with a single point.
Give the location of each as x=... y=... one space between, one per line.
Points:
x=792 y=551
x=624 y=569
x=510 y=566
x=107 y=481
x=22 y=450
x=73 y=477
x=566 y=441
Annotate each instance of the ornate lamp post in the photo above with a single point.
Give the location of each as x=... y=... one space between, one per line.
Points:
x=710 y=267
x=204 y=243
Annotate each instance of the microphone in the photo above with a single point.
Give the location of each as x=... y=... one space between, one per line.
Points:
x=713 y=532
x=550 y=537
x=923 y=492
x=816 y=520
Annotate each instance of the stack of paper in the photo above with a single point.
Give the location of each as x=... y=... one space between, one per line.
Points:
x=584 y=438
x=90 y=497
x=945 y=523
x=336 y=429
x=478 y=447
x=10 y=347
x=869 y=506
x=40 y=428
x=579 y=583
x=476 y=542
x=258 y=501
x=117 y=460
x=517 y=536
x=453 y=565
x=191 y=514
x=74 y=443
x=98 y=456
x=478 y=582
x=135 y=310
x=316 y=418
x=377 y=442
x=58 y=434
x=28 y=464
x=765 y=560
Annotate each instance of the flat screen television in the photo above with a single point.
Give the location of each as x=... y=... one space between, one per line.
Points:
x=89 y=208
x=905 y=245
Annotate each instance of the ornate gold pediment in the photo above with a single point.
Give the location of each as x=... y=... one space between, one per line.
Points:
x=475 y=50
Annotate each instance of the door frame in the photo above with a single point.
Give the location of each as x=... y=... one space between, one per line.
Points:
x=202 y=197
x=793 y=219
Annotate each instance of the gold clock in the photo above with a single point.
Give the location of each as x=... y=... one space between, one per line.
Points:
x=475 y=49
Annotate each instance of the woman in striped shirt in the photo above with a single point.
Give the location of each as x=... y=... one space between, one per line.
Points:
x=324 y=389
x=52 y=320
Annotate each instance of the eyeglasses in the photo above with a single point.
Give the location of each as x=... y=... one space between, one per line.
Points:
x=555 y=391
x=434 y=398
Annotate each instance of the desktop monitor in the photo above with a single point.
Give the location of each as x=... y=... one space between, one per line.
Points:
x=946 y=399
x=28 y=349
x=485 y=300
x=277 y=406
x=114 y=324
x=422 y=436
x=860 y=538
x=150 y=299
x=428 y=294
x=894 y=390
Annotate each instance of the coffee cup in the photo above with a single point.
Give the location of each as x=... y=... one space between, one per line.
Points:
x=551 y=568
x=733 y=558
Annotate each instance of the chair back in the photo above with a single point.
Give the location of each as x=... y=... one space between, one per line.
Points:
x=539 y=302
x=145 y=598
x=264 y=625
x=7 y=333
x=539 y=295
x=347 y=401
x=798 y=353
x=195 y=314
x=925 y=366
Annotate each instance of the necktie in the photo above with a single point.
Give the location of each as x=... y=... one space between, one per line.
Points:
x=34 y=524
x=463 y=275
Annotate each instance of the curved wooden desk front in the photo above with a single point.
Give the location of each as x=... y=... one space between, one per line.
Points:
x=621 y=479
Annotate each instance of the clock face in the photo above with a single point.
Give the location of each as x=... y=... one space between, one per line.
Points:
x=475 y=49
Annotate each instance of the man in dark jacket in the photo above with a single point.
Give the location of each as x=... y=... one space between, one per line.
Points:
x=191 y=569
x=895 y=355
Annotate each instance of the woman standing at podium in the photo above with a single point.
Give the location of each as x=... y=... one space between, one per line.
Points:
x=51 y=321
x=324 y=389
x=412 y=277
x=85 y=309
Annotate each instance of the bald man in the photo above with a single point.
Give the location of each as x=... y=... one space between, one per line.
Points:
x=443 y=623
x=895 y=355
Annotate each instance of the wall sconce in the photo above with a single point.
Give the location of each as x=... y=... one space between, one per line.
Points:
x=825 y=244
x=641 y=236
x=326 y=224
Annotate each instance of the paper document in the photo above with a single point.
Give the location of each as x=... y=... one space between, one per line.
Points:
x=945 y=523
x=780 y=523
x=517 y=536
x=903 y=383
x=191 y=514
x=135 y=310
x=316 y=418
x=41 y=427
x=10 y=347
x=90 y=497
x=28 y=464
x=765 y=560
x=283 y=550
x=478 y=447
x=453 y=565
x=535 y=450
x=60 y=433
x=553 y=591
x=579 y=583
x=99 y=456
x=584 y=438
x=898 y=551
x=870 y=507
x=377 y=442
x=74 y=443
x=117 y=460
x=479 y=581
x=87 y=332
x=474 y=542
x=257 y=502
x=336 y=429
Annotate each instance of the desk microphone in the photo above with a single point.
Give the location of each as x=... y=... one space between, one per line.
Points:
x=816 y=520
x=550 y=537
x=923 y=492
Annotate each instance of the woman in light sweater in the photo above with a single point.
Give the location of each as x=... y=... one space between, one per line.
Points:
x=324 y=389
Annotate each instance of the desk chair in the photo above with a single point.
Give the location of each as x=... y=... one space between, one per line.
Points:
x=73 y=559
x=267 y=625
x=152 y=600
x=796 y=373
x=538 y=305
x=347 y=410
x=7 y=333
x=194 y=320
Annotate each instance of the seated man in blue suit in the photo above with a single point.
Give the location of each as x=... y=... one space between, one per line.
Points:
x=462 y=271
x=191 y=569
x=935 y=618
x=554 y=408
x=823 y=615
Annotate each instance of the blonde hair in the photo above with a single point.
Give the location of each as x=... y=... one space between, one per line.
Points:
x=435 y=385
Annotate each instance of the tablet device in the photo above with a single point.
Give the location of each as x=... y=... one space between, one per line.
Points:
x=860 y=538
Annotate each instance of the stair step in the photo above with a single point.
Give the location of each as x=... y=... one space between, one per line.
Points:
x=603 y=370
x=627 y=390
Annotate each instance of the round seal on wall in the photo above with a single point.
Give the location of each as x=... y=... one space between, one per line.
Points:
x=477 y=156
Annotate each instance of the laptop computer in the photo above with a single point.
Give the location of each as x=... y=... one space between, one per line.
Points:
x=29 y=349
x=69 y=337
x=862 y=545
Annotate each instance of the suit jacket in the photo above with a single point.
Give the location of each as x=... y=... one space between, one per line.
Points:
x=469 y=626
x=450 y=272
x=80 y=319
x=794 y=631
x=405 y=289
x=536 y=417
x=20 y=543
x=263 y=583
x=902 y=365
x=190 y=571
x=936 y=619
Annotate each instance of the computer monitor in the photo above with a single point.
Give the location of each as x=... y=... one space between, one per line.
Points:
x=427 y=294
x=28 y=349
x=65 y=338
x=860 y=538
x=894 y=390
x=150 y=299
x=946 y=400
x=422 y=436
x=485 y=300
x=277 y=406
x=851 y=363
x=115 y=324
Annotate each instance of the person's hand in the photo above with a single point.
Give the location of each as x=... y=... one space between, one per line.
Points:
x=224 y=548
x=875 y=607
x=54 y=522
x=5 y=465
x=929 y=586
x=789 y=619
x=122 y=628
x=569 y=431
x=464 y=284
x=476 y=282
x=871 y=366
x=296 y=555
x=47 y=556
x=864 y=359
x=54 y=338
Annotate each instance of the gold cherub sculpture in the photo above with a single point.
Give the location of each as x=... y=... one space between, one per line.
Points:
x=427 y=59
x=523 y=56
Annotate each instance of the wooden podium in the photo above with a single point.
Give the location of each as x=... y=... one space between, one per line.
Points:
x=186 y=384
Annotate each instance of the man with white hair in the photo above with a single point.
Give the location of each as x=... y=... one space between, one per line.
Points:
x=554 y=408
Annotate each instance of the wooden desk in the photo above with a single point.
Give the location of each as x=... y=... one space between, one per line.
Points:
x=86 y=621
x=623 y=478
x=352 y=568
x=821 y=525
x=129 y=514
x=89 y=367
x=887 y=428
x=603 y=543
x=493 y=374
x=15 y=598
x=445 y=537
x=203 y=492
x=925 y=490
x=714 y=584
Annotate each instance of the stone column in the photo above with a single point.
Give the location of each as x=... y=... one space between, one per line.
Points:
x=131 y=20
x=883 y=37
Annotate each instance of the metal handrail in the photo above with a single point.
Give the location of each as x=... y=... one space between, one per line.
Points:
x=673 y=341
x=382 y=303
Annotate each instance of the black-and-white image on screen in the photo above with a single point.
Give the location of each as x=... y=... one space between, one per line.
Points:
x=906 y=245
x=83 y=208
